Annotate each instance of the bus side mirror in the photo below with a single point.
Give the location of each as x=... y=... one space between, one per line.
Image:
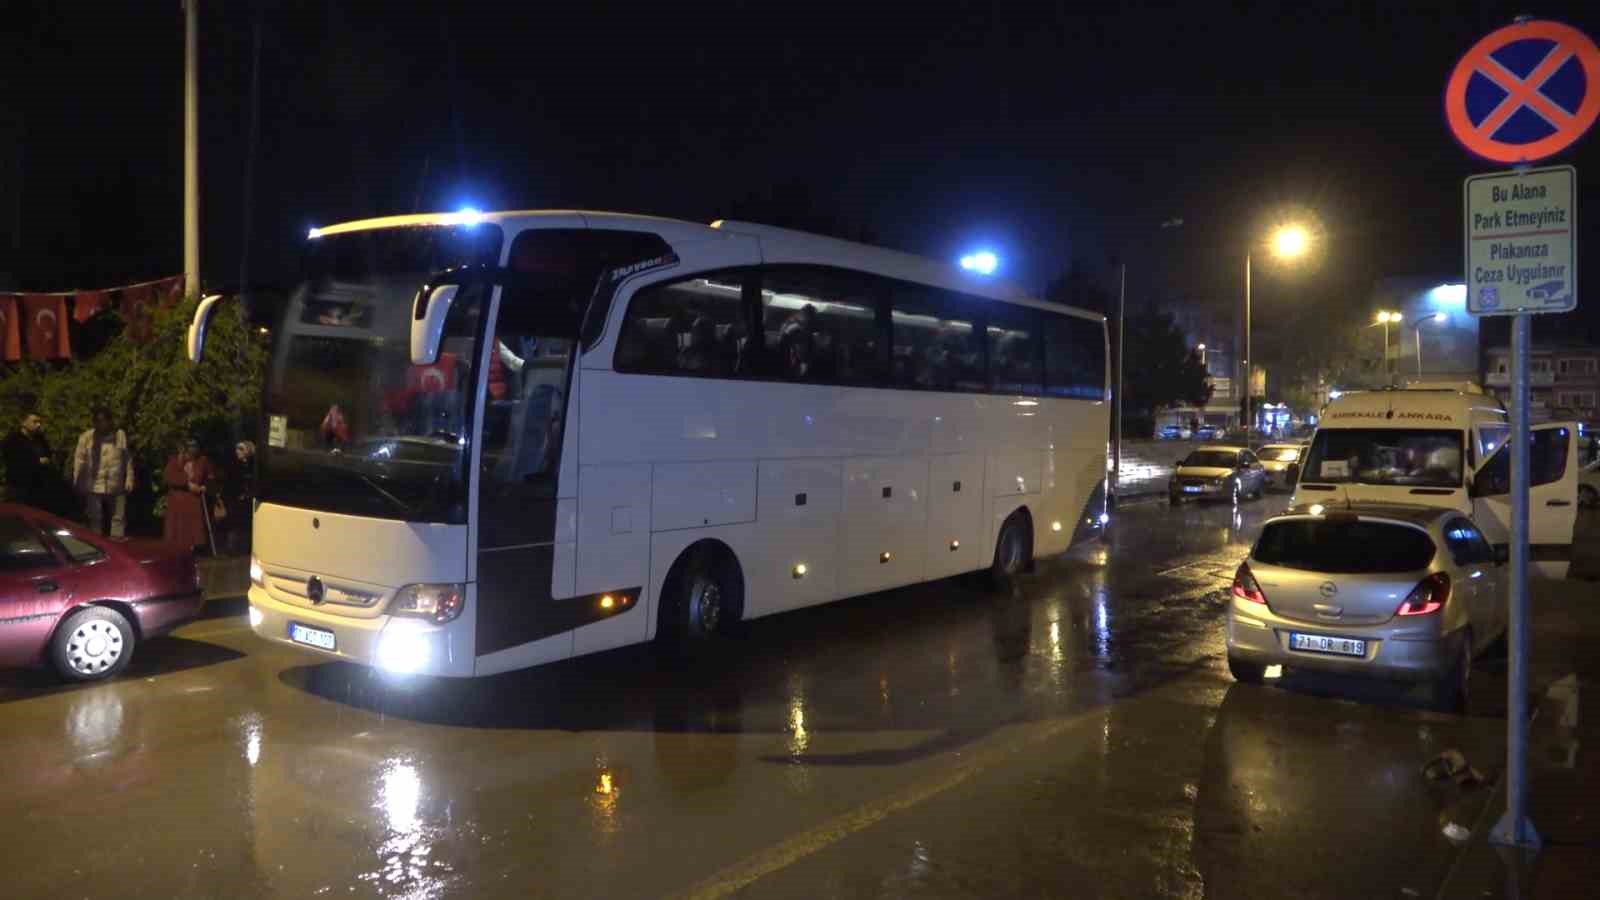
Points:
x=1502 y=554
x=195 y=340
x=432 y=306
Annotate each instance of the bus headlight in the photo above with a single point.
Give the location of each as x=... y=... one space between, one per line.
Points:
x=403 y=651
x=438 y=603
x=257 y=576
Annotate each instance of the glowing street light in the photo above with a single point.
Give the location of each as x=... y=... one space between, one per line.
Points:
x=1386 y=318
x=983 y=262
x=1288 y=241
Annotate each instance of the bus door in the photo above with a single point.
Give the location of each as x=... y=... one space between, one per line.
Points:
x=1552 y=497
x=528 y=375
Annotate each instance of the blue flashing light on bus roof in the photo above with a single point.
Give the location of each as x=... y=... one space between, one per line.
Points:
x=984 y=262
x=467 y=215
x=313 y=234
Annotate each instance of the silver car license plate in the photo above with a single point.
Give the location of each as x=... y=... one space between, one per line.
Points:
x=1317 y=643
x=320 y=638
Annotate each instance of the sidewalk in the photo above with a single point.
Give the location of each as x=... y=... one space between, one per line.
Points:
x=1563 y=763
x=224 y=577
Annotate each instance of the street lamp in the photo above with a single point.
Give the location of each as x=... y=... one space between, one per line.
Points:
x=1386 y=318
x=1289 y=241
x=1202 y=349
x=1436 y=317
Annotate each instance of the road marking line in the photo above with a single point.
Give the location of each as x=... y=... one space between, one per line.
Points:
x=791 y=850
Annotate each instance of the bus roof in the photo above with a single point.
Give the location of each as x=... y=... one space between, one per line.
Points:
x=1409 y=409
x=776 y=243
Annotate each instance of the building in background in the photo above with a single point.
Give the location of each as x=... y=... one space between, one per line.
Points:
x=1563 y=381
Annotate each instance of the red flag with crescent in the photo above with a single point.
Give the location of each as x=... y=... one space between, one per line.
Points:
x=87 y=304
x=439 y=377
x=169 y=291
x=47 y=326
x=10 y=328
x=136 y=303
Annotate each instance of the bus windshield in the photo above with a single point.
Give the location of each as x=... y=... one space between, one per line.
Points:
x=1412 y=457
x=352 y=426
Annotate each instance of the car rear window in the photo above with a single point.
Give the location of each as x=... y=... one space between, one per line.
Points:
x=1321 y=545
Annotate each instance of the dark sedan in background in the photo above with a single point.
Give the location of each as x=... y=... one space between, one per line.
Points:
x=81 y=602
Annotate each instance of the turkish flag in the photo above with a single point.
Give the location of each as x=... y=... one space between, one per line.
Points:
x=86 y=304
x=136 y=301
x=47 y=326
x=441 y=376
x=169 y=291
x=10 y=331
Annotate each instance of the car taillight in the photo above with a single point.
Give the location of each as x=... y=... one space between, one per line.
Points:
x=1429 y=596
x=1245 y=587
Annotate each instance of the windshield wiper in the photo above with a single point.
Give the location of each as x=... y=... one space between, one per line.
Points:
x=384 y=492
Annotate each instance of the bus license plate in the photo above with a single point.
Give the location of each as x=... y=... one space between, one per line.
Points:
x=1191 y=489
x=320 y=638
x=1317 y=643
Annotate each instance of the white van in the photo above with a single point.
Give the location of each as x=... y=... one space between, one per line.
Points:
x=1445 y=446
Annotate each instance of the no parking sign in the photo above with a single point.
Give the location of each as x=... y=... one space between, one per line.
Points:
x=1525 y=92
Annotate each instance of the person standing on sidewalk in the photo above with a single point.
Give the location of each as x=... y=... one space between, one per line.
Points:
x=27 y=456
x=187 y=474
x=102 y=472
x=238 y=496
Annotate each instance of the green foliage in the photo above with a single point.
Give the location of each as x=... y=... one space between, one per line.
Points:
x=151 y=390
x=1161 y=371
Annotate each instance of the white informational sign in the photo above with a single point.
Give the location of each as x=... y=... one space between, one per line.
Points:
x=277 y=430
x=1520 y=241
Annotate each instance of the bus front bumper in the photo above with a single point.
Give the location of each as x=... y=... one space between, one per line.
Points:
x=393 y=644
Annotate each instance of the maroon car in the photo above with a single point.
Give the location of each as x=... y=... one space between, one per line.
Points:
x=80 y=601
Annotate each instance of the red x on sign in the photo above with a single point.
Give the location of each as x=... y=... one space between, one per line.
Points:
x=1510 y=118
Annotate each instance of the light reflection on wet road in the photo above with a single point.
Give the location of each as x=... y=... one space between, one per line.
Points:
x=1075 y=734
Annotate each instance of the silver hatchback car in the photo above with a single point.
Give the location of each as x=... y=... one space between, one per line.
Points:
x=1408 y=593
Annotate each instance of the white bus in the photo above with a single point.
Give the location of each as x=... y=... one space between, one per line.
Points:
x=495 y=441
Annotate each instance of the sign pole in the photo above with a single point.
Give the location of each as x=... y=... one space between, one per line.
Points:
x=1521 y=260
x=1514 y=829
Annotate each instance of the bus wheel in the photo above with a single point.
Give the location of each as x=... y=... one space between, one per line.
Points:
x=704 y=596
x=1011 y=549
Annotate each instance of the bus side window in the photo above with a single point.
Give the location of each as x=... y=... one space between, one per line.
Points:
x=1074 y=357
x=689 y=327
x=821 y=325
x=1014 y=363
x=935 y=341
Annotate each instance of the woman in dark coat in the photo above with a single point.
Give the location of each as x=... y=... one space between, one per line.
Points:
x=238 y=496
x=186 y=476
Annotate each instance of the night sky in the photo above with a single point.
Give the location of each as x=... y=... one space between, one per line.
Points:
x=1053 y=134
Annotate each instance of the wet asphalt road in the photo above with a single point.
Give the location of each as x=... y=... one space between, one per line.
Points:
x=1076 y=735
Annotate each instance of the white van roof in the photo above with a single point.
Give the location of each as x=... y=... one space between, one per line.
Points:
x=1410 y=408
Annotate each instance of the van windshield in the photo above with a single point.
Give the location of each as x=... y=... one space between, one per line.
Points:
x=1399 y=456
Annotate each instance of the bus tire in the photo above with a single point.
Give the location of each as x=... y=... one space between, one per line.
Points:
x=1013 y=548
x=704 y=596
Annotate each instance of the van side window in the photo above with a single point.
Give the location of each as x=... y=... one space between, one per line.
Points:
x=1547 y=463
x=821 y=325
x=692 y=327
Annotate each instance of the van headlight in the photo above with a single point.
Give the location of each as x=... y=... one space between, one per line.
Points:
x=438 y=603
